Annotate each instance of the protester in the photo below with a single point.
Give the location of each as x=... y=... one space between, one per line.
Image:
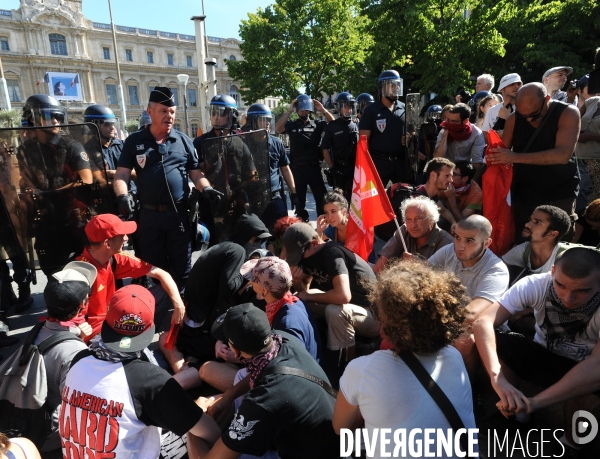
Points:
x=332 y=225
x=587 y=228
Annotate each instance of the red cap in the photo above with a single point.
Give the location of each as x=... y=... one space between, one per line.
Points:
x=106 y=226
x=129 y=322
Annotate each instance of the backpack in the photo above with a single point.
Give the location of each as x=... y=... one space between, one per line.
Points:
x=396 y=192
x=24 y=388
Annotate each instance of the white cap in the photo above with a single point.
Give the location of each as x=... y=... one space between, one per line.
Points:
x=77 y=271
x=509 y=79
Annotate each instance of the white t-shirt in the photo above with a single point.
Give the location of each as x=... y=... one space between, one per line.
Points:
x=531 y=291
x=390 y=395
x=514 y=257
x=492 y=116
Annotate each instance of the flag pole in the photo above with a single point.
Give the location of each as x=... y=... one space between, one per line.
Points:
x=400 y=233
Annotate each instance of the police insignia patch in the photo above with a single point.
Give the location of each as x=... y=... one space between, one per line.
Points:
x=139 y=147
x=381 y=125
x=84 y=156
x=141 y=160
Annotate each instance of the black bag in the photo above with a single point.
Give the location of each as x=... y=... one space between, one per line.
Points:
x=396 y=192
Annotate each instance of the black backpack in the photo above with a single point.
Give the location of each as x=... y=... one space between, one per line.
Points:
x=24 y=411
x=396 y=192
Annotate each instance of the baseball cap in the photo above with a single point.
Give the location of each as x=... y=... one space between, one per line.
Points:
x=162 y=95
x=558 y=69
x=129 y=322
x=509 y=79
x=105 y=226
x=295 y=239
x=272 y=273
x=70 y=287
x=246 y=326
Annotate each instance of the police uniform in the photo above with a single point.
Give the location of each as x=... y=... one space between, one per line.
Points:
x=278 y=157
x=340 y=138
x=161 y=239
x=385 y=141
x=305 y=158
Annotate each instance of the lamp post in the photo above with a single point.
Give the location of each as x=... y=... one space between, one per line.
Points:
x=121 y=97
x=183 y=79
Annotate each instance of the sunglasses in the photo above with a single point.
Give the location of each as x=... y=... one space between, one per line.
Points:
x=60 y=117
x=533 y=116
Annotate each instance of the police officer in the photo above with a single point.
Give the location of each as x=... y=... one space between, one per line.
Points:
x=259 y=116
x=363 y=100
x=383 y=122
x=162 y=158
x=339 y=143
x=144 y=120
x=305 y=155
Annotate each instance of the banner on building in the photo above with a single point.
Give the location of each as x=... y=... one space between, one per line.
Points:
x=64 y=86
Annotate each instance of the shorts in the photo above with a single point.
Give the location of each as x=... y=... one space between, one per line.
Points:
x=197 y=343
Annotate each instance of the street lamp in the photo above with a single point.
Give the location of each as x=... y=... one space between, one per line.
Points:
x=183 y=79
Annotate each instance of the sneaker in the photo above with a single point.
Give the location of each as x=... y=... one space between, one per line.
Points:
x=7 y=341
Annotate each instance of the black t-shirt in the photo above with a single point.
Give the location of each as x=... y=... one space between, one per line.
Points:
x=287 y=412
x=305 y=140
x=335 y=259
x=341 y=137
x=214 y=278
x=589 y=236
x=387 y=128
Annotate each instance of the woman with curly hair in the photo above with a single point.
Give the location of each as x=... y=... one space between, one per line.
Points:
x=421 y=310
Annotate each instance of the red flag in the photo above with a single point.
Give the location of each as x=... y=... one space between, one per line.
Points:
x=369 y=205
x=497 y=200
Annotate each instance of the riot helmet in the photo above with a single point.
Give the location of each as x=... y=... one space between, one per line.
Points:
x=390 y=85
x=144 y=120
x=346 y=105
x=433 y=114
x=223 y=112
x=304 y=103
x=474 y=102
x=362 y=101
x=259 y=116
x=43 y=110
x=104 y=118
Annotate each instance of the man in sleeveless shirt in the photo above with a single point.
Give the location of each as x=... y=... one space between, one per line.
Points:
x=545 y=170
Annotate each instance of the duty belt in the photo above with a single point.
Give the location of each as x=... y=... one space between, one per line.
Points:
x=165 y=207
x=305 y=163
x=345 y=162
x=377 y=155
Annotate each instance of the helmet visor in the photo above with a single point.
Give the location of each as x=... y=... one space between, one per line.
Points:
x=264 y=122
x=110 y=129
x=49 y=116
x=346 y=109
x=304 y=103
x=221 y=117
x=392 y=89
x=434 y=116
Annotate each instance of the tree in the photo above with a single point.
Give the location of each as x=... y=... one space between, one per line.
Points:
x=293 y=44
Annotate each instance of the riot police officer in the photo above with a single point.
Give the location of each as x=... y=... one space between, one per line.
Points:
x=144 y=120
x=259 y=116
x=383 y=122
x=363 y=100
x=428 y=133
x=339 y=143
x=474 y=104
x=305 y=156
x=162 y=158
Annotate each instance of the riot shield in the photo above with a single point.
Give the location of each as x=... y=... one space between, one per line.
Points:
x=413 y=108
x=51 y=186
x=237 y=166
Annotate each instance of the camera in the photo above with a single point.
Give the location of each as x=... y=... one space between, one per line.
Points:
x=465 y=96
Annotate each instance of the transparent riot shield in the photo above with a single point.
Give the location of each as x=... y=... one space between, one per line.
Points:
x=51 y=186
x=413 y=108
x=237 y=166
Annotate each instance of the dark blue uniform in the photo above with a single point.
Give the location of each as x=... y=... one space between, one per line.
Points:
x=305 y=158
x=385 y=141
x=277 y=208
x=162 y=241
x=340 y=138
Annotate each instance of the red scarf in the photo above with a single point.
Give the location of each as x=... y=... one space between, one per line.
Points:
x=462 y=190
x=457 y=131
x=274 y=307
x=73 y=322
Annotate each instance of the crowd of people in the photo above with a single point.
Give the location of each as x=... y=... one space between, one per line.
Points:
x=273 y=314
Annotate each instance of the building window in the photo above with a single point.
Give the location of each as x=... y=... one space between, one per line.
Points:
x=150 y=89
x=175 y=92
x=188 y=60
x=4 y=44
x=106 y=52
x=58 y=44
x=170 y=60
x=191 y=97
x=150 y=56
x=194 y=129
x=177 y=126
x=233 y=92
x=129 y=55
x=13 y=90
x=232 y=58
x=111 y=94
x=133 y=95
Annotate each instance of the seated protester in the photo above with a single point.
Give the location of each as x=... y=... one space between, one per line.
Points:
x=420 y=232
x=213 y=286
x=564 y=354
x=276 y=245
x=422 y=312
x=483 y=274
x=289 y=412
x=587 y=228
x=332 y=225
x=66 y=295
x=271 y=280
x=464 y=196
x=329 y=279
x=459 y=140
x=140 y=395
x=107 y=233
x=438 y=177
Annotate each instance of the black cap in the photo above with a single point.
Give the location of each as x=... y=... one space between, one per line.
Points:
x=245 y=326
x=162 y=95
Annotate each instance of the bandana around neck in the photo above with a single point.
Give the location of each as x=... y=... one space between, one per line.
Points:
x=101 y=352
x=72 y=322
x=273 y=308
x=462 y=190
x=457 y=131
x=256 y=364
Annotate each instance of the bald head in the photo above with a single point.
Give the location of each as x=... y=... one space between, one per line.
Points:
x=476 y=223
x=531 y=99
x=535 y=91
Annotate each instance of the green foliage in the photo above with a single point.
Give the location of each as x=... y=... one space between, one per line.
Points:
x=131 y=126
x=10 y=118
x=280 y=110
x=293 y=44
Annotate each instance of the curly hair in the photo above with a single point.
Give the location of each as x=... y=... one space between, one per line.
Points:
x=284 y=223
x=421 y=308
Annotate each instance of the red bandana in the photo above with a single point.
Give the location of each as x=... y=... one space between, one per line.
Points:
x=457 y=131
x=73 y=322
x=274 y=307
